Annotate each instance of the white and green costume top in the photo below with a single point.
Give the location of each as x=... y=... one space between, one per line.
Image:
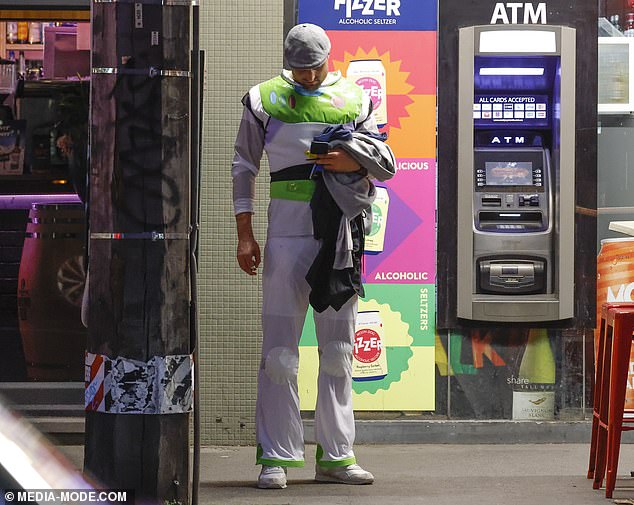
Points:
x=281 y=118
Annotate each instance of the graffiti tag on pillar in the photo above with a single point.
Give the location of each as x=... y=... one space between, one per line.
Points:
x=142 y=151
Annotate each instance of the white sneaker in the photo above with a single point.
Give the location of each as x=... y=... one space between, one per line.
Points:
x=272 y=477
x=351 y=474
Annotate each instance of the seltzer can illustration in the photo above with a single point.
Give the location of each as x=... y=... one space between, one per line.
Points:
x=370 y=75
x=369 y=356
x=375 y=239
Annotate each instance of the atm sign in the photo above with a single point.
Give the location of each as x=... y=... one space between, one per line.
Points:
x=516 y=12
x=507 y=99
x=518 y=109
x=509 y=141
x=505 y=138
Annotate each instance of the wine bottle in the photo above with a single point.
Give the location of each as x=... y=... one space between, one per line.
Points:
x=628 y=31
x=534 y=388
x=23 y=32
x=12 y=32
x=35 y=32
x=616 y=21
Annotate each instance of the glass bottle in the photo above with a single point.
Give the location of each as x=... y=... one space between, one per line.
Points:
x=21 y=64
x=23 y=32
x=616 y=22
x=629 y=25
x=35 y=33
x=12 y=32
x=534 y=388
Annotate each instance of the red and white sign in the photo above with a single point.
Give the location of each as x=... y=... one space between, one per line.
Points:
x=367 y=346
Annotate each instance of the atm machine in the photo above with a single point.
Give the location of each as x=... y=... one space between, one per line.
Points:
x=516 y=173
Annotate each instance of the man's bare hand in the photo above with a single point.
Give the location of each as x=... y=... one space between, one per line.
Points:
x=248 y=255
x=337 y=160
x=248 y=248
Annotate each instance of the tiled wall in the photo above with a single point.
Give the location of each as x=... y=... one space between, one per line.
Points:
x=243 y=45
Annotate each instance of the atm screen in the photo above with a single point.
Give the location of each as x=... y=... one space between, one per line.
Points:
x=509 y=173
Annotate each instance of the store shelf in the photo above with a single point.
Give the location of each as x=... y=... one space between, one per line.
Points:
x=35 y=177
x=45 y=10
x=53 y=182
x=626 y=227
x=30 y=51
x=24 y=47
x=35 y=187
x=46 y=4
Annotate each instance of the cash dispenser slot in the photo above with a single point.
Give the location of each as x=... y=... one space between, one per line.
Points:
x=523 y=221
x=512 y=276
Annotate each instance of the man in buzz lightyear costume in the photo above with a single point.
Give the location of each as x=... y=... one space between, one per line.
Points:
x=282 y=116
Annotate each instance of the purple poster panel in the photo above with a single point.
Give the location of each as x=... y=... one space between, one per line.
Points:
x=389 y=49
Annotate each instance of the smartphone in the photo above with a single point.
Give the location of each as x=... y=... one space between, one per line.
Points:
x=319 y=147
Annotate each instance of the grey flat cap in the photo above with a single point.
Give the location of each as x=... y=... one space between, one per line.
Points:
x=306 y=46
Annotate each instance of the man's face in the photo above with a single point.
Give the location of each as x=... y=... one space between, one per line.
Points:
x=310 y=78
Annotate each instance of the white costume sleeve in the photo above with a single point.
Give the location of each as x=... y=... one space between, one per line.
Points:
x=246 y=161
x=374 y=155
x=366 y=121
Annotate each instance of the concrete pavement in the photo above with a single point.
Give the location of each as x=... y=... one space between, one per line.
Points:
x=434 y=474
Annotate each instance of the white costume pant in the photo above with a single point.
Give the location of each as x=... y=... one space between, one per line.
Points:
x=279 y=430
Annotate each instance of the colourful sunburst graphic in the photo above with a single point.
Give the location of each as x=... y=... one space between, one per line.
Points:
x=397 y=86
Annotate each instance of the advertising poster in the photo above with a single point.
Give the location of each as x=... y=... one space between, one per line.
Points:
x=389 y=49
x=510 y=373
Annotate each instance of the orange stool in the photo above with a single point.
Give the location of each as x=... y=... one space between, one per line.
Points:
x=598 y=383
x=617 y=341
